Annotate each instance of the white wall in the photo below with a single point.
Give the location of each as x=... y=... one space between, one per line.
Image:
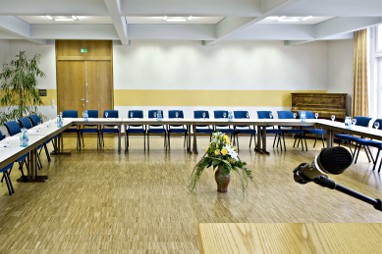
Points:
x=47 y=63
x=227 y=65
x=340 y=68
x=4 y=50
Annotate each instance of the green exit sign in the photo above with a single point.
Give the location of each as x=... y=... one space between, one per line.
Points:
x=84 y=50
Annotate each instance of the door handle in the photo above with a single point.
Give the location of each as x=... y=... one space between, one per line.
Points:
x=82 y=99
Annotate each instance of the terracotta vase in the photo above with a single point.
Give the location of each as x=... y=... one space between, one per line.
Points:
x=222 y=181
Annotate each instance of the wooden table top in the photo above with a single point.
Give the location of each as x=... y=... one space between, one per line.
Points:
x=290 y=238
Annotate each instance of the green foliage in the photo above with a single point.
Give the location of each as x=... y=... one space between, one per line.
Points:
x=220 y=154
x=19 y=87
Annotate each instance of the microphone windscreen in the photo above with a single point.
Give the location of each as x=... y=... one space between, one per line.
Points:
x=334 y=160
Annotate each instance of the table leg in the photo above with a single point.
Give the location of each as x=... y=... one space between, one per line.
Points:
x=329 y=139
x=195 y=145
x=32 y=175
x=59 y=140
x=119 y=138
x=261 y=146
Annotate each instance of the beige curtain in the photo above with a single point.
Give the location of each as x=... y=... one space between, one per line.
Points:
x=360 y=91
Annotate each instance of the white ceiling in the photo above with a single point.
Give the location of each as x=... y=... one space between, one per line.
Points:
x=126 y=21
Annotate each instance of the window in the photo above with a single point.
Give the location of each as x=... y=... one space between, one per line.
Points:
x=375 y=87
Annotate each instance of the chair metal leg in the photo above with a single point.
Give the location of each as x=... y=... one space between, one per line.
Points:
x=9 y=183
x=376 y=161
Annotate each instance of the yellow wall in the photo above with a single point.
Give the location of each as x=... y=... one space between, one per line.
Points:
x=51 y=94
x=274 y=98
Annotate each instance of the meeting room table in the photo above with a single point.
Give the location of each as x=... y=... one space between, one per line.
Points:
x=333 y=127
x=10 y=149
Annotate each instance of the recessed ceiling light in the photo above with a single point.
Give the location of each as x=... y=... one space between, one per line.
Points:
x=62 y=18
x=289 y=19
x=177 y=19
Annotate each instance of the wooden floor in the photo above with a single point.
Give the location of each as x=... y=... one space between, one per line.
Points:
x=105 y=202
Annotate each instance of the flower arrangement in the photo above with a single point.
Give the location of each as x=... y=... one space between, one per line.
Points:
x=223 y=158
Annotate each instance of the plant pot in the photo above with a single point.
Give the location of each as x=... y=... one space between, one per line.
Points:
x=222 y=181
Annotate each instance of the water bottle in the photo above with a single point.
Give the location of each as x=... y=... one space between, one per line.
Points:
x=159 y=116
x=85 y=115
x=59 y=121
x=303 y=116
x=230 y=116
x=348 y=122
x=24 y=139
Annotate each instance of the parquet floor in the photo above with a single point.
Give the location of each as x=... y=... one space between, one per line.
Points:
x=105 y=202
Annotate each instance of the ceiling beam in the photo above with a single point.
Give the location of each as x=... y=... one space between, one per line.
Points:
x=224 y=29
x=114 y=8
x=74 y=32
x=172 y=32
x=18 y=28
x=45 y=7
x=344 y=25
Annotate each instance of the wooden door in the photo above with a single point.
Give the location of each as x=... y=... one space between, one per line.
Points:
x=84 y=81
x=98 y=92
x=70 y=91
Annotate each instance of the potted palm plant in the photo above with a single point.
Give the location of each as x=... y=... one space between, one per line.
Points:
x=18 y=82
x=223 y=158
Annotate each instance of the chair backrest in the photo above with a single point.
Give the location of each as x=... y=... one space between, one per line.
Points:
x=93 y=113
x=240 y=114
x=135 y=114
x=25 y=122
x=201 y=114
x=285 y=114
x=362 y=120
x=154 y=113
x=13 y=127
x=220 y=114
x=111 y=114
x=264 y=114
x=379 y=120
x=172 y=114
x=35 y=120
x=70 y=114
x=308 y=114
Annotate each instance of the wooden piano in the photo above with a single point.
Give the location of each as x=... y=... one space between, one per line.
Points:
x=325 y=104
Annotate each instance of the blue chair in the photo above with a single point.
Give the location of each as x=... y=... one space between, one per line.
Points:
x=367 y=143
x=299 y=133
x=318 y=133
x=176 y=129
x=74 y=129
x=133 y=129
x=156 y=129
x=92 y=129
x=13 y=128
x=243 y=129
x=110 y=129
x=35 y=120
x=202 y=129
x=6 y=171
x=26 y=123
x=348 y=138
x=227 y=129
x=266 y=114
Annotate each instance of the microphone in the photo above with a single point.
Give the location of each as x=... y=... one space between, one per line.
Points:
x=331 y=160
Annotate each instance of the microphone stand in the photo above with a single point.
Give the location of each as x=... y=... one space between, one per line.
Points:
x=324 y=181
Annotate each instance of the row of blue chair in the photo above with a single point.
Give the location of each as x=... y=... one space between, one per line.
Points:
x=13 y=128
x=363 y=143
x=234 y=132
